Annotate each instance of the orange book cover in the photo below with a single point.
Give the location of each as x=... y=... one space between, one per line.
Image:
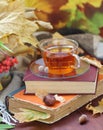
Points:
x=18 y=99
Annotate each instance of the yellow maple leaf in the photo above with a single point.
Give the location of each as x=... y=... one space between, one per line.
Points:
x=8 y=6
x=12 y=21
x=15 y=28
x=96 y=109
x=17 y=24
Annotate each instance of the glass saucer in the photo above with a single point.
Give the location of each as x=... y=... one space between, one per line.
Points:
x=84 y=67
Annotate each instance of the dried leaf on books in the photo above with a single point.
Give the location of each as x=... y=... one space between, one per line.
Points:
x=27 y=115
x=96 y=109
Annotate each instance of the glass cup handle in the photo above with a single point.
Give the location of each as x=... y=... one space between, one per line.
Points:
x=78 y=60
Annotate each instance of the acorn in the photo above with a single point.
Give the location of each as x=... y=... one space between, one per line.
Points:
x=49 y=100
x=83 y=119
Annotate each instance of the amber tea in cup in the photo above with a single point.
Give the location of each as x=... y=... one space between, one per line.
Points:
x=60 y=55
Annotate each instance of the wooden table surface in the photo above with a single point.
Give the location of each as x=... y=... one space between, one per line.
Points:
x=68 y=123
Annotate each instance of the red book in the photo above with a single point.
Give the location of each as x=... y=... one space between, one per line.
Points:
x=81 y=84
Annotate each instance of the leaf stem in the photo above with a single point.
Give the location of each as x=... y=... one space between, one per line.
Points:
x=3 y=46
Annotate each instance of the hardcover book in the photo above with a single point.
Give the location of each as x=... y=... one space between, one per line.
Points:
x=18 y=99
x=82 y=84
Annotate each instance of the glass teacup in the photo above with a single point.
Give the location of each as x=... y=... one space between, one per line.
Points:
x=60 y=55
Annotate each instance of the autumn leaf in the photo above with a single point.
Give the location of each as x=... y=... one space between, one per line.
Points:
x=72 y=4
x=97 y=19
x=15 y=28
x=47 y=6
x=8 y=6
x=96 y=109
x=14 y=22
x=40 y=5
x=65 y=13
x=49 y=11
x=17 y=24
x=77 y=17
x=95 y=3
x=26 y=115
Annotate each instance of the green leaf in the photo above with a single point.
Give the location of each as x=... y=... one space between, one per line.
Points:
x=84 y=23
x=92 y=27
x=6 y=126
x=0 y=119
x=26 y=115
x=97 y=19
x=3 y=129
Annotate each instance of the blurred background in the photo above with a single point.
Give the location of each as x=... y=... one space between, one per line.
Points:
x=83 y=15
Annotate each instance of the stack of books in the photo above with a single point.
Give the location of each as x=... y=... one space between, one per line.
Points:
x=22 y=99
x=82 y=84
x=17 y=99
x=76 y=92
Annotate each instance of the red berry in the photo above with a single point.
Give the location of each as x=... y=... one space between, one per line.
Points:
x=1 y=70
x=7 y=63
x=4 y=62
x=14 y=60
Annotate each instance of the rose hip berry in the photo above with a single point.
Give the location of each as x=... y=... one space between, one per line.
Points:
x=7 y=63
